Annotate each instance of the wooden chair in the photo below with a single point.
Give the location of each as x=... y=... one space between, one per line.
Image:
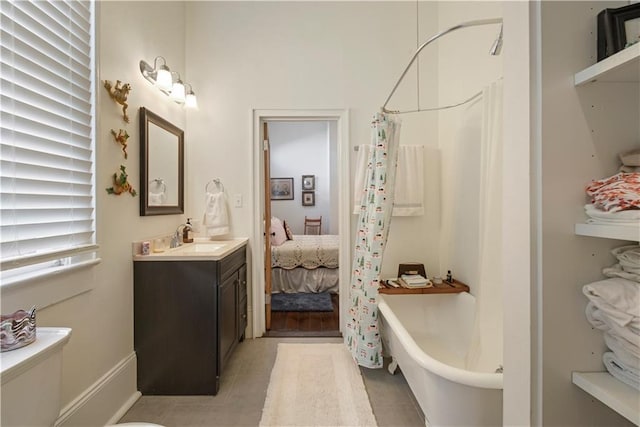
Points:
x=313 y=225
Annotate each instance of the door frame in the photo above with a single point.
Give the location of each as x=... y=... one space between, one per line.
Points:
x=341 y=117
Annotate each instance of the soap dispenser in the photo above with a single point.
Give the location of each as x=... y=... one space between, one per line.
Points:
x=187 y=232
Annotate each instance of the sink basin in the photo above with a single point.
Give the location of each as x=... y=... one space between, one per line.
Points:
x=204 y=247
x=198 y=250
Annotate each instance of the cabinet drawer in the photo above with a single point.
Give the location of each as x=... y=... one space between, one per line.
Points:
x=230 y=264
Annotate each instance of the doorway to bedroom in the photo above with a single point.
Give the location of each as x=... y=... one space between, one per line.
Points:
x=304 y=239
x=303 y=276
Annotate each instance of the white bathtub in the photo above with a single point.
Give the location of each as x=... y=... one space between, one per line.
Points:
x=428 y=336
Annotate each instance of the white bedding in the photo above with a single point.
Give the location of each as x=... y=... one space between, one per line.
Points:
x=306 y=251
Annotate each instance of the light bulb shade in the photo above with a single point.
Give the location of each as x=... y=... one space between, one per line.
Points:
x=163 y=79
x=191 y=101
x=177 y=92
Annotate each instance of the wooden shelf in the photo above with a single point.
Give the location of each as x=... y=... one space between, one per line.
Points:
x=607 y=231
x=443 y=288
x=620 y=397
x=623 y=66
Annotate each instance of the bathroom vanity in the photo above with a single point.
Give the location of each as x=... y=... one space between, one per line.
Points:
x=190 y=313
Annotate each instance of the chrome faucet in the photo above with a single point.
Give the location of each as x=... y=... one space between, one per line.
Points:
x=176 y=240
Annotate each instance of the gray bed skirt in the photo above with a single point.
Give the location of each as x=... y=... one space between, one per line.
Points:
x=302 y=280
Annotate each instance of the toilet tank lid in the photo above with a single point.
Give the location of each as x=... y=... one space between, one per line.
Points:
x=48 y=341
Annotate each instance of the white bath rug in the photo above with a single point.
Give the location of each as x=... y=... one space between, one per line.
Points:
x=316 y=385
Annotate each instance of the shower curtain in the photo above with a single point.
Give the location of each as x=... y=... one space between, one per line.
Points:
x=485 y=353
x=362 y=335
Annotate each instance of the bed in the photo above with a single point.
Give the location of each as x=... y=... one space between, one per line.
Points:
x=305 y=264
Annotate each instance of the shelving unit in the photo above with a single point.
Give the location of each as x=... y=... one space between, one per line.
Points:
x=615 y=394
x=623 y=66
x=607 y=231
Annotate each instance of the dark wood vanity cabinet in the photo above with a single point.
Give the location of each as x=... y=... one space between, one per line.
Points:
x=189 y=316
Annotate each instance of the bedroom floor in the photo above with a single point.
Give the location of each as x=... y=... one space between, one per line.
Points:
x=306 y=323
x=243 y=390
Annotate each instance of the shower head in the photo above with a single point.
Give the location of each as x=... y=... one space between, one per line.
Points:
x=496 y=48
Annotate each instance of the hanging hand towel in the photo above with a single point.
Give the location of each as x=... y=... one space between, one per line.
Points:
x=409 y=187
x=216 y=217
x=362 y=164
x=409 y=190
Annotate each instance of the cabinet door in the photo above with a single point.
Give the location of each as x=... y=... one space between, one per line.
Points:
x=175 y=327
x=242 y=302
x=227 y=317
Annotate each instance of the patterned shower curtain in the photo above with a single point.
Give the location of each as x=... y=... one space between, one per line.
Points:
x=362 y=335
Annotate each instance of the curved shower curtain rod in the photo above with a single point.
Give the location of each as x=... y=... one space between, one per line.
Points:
x=495 y=49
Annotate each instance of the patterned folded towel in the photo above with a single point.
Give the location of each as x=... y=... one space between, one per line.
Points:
x=616 y=193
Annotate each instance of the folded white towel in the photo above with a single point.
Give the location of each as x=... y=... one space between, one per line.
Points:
x=617 y=271
x=629 y=258
x=216 y=216
x=631 y=216
x=409 y=186
x=629 y=355
x=414 y=279
x=627 y=374
x=619 y=298
x=600 y=320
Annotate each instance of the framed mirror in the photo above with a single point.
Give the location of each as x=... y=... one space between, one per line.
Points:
x=161 y=166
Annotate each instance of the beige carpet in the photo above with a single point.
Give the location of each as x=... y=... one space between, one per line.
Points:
x=316 y=385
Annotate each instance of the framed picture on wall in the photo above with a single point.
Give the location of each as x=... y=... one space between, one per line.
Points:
x=627 y=25
x=281 y=188
x=308 y=198
x=617 y=29
x=308 y=182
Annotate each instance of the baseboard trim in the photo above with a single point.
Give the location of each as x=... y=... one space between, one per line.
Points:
x=105 y=400
x=124 y=408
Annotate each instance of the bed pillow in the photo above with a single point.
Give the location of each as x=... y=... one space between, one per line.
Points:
x=279 y=236
x=287 y=230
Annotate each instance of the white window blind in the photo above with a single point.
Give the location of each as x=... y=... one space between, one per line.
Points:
x=47 y=196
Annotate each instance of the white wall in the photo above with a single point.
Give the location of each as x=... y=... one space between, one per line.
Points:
x=303 y=55
x=583 y=129
x=303 y=148
x=102 y=319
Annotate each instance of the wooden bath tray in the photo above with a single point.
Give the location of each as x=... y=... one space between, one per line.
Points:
x=443 y=288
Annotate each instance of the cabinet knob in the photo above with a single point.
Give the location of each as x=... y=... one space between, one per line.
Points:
x=244 y=316
x=244 y=282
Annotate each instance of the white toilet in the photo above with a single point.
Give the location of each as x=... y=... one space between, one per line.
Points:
x=31 y=380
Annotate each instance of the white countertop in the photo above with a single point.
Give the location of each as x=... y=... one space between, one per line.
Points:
x=200 y=250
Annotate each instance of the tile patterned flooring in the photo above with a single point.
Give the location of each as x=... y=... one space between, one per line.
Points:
x=243 y=389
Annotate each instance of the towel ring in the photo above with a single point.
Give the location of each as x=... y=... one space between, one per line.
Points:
x=217 y=183
x=160 y=184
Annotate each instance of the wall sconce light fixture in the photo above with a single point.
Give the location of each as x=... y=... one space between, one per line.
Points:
x=190 y=98
x=169 y=82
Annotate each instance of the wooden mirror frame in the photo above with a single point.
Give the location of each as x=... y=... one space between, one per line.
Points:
x=146 y=209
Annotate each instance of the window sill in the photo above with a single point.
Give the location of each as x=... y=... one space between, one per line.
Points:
x=49 y=287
